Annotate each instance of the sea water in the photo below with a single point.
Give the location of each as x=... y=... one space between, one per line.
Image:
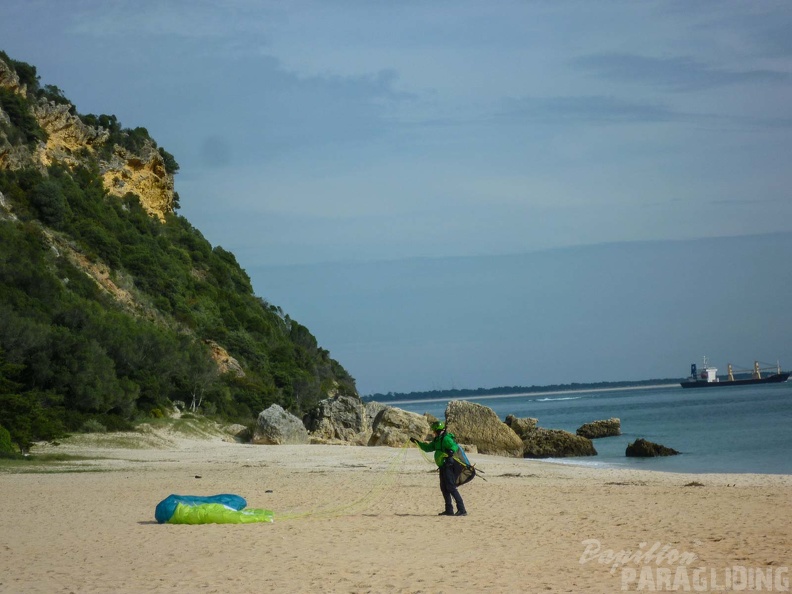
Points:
x=737 y=429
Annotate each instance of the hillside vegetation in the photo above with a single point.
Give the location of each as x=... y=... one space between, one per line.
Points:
x=108 y=313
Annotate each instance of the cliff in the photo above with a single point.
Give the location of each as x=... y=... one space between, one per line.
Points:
x=112 y=306
x=68 y=140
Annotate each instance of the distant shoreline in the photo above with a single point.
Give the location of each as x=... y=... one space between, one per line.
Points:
x=532 y=393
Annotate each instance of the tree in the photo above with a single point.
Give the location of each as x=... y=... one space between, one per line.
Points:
x=48 y=199
x=28 y=416
x=171 y=166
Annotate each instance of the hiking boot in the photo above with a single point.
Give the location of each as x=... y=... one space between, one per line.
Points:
x=446 y=513
x=461 y=512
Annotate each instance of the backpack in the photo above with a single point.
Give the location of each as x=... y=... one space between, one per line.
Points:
x=468 y=471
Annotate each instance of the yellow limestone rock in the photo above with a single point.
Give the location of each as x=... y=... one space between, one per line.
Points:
x=225 y=362
x=142 y=174
x=68 y=139
x=67 y=135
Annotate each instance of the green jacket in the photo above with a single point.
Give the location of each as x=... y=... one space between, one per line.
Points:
x=441 y=445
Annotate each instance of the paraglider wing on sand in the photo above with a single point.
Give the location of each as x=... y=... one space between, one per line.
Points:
x=214 y=509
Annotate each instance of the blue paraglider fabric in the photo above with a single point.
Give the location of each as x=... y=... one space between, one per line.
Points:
x=167 y=507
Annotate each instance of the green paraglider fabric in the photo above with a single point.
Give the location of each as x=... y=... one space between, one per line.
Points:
x=216 y=513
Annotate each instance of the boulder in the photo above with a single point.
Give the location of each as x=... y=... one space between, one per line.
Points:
x=642 y=448
x=373 y=409
x=556 y=443
x=276 y=426
x=239 y=433
x=479 y=426
x=340 y=419
x=597 y=429
x=394 y=427
x=431 y=419
x=549 y=443
x=522 y=427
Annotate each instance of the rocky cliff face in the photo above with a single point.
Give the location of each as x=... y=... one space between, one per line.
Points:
x=143 y=174
x=72 y=143
x=11 y=156
x=67 y=136
x=10 y=80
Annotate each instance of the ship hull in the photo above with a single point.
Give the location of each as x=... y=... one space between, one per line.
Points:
x=776 y=378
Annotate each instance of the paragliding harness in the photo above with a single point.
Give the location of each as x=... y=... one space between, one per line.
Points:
x=466 y=471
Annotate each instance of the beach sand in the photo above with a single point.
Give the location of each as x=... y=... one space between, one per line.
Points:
x=358 y=519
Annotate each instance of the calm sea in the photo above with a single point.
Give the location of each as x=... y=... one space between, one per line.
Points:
x=731 y=429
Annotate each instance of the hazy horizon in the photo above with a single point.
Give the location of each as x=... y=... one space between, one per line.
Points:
x=607 y=312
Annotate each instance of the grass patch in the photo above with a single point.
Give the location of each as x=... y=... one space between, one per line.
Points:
x=116 y=441
x=59 y=470
x=45 y=463
x=189 y=425
x=47 y=458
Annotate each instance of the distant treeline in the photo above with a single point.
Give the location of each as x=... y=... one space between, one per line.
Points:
x=510 y=390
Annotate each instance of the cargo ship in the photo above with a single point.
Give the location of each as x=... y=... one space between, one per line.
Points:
x=707 y=376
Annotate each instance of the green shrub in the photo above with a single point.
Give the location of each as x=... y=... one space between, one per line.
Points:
x=171 y=166
x=5 y=441
x=48 y=199
x=93 y=426
x=22 y=120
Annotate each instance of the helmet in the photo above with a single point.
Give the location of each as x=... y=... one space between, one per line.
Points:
x=438 y=426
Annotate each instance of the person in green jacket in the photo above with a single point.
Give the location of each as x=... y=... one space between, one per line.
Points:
x=444 y=446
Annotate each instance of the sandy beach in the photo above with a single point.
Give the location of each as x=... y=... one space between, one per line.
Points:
x=358 y=519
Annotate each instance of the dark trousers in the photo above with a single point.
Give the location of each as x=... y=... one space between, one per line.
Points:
x=449 y=472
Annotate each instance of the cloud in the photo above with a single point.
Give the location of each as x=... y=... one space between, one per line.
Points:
x=676 y=74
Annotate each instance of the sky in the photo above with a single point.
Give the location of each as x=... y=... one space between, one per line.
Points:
x=314 y=135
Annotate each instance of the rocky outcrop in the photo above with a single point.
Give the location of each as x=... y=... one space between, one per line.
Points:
x=143 y=174
x=10 y=80
x=642 y=448
x=431 y=419
x=18 y=155
x=373 y=409
x=556 y=443
x=238 y=433
x=67 y=135
x=394 y=427
x=13 y=157
x=5 y=210
x=225 y=362
x=522 y=427
x=549 y=443
x=70 y=141
x=340 y=419
x=597 y=429
x=276 y=426
x=478 y=425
